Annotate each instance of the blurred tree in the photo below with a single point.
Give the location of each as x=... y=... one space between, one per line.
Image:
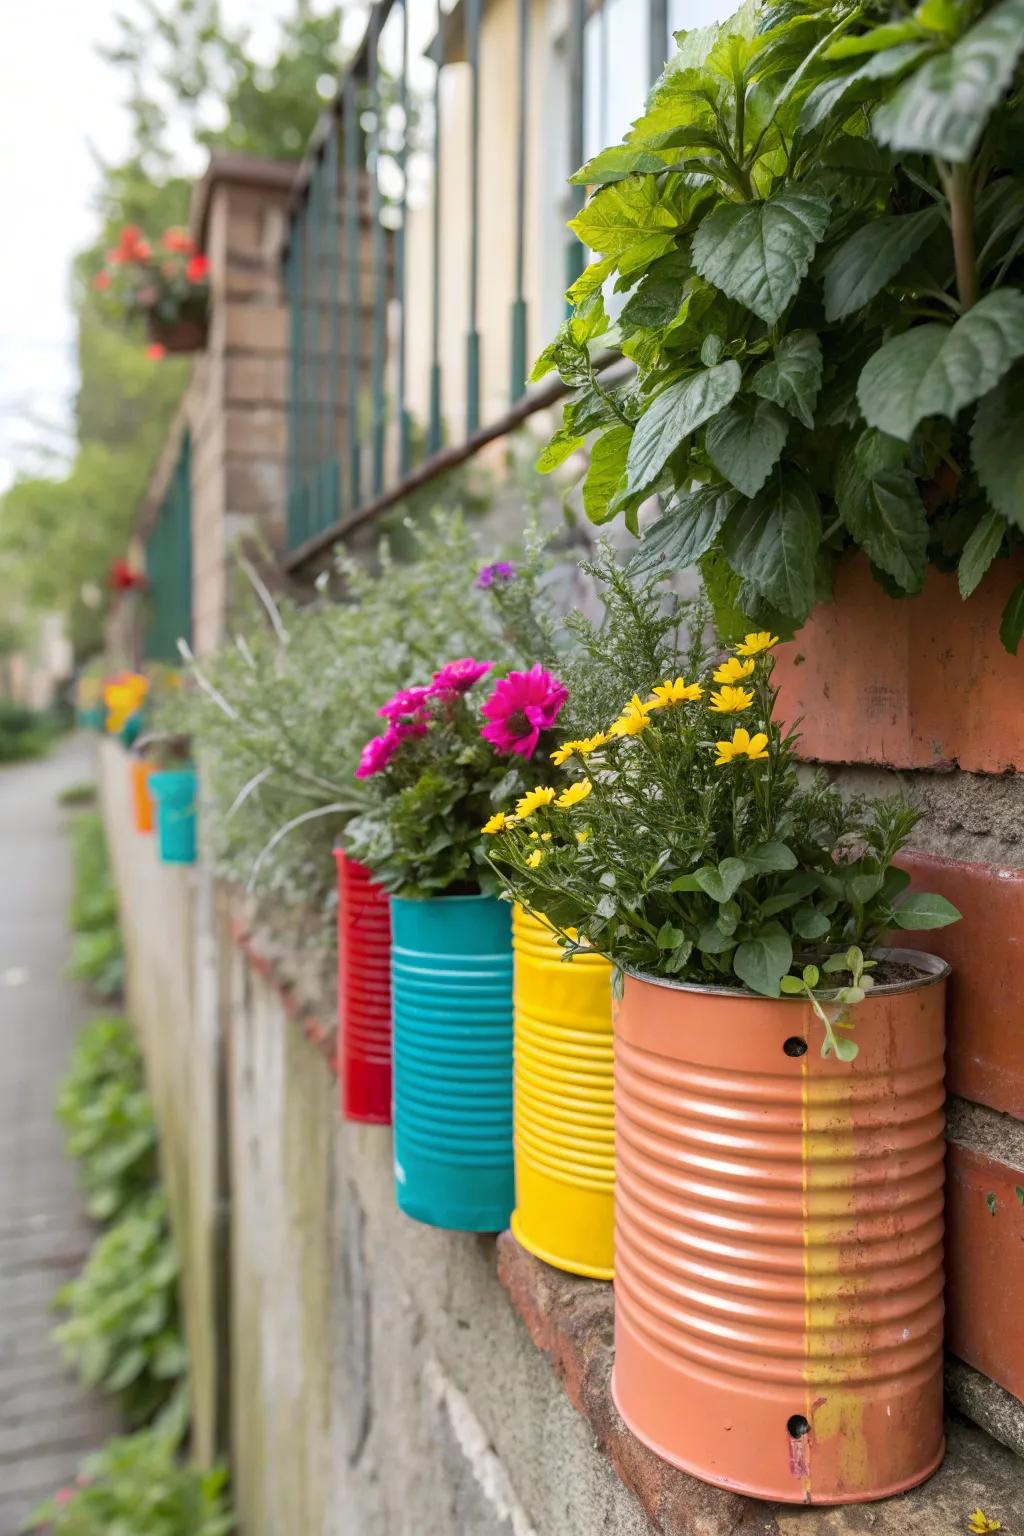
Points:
x=191 y=82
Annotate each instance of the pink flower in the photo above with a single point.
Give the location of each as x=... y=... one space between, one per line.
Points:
x=457 y=676
x=63 y=1495
x=407 y=701
x=377 y=754
x=521 y=706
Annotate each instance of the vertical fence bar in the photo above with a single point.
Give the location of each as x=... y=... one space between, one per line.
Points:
x=316 y=217
x=184 y=615
x=333 y=473
x=309 y=339
x=379 y=406
x=473 y=334
x=657 y=37
x=404 y=426
x=434 y=427
x=295 y=345
x=518 y=348
x=603 y=69
x=353 y=328
x=577 y=22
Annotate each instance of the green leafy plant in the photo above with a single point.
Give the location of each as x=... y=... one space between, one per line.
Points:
x=97 y=956
x=77 y=795
x=685 y=844
x=136 y=1484
x=24 y=733
x=818 y=222
x=123 y=1332
x=105 y=1110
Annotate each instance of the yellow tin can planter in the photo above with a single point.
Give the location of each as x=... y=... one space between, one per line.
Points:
x=564 y=1135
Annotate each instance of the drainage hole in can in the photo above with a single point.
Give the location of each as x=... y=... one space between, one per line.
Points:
x=794 y=1046
x=798 y=1426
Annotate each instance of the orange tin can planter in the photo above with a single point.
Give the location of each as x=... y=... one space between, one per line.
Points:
x=778 y=1238
x=142 y=803
x=563 y=1124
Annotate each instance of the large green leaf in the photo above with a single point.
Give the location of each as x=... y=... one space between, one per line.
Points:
x=942 y=110
x=687 y=531
x=615 y=164
x=744 y=442
x=721 y=882
x=673 y=415
x=871 y=257
x=844 y=91
x=761 y=962
x=878 y=39
x=879 y=502
x=997 y=446
x=758 y=253
x=773 y=541
x=1011 y=628
x=607 y=467
x=923 y=909
x=935 y=370
x=563 y=444
x=980 y=550
x=793 y=377
x=622 y=216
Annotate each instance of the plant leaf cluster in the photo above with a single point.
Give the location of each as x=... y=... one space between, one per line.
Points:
x=108 y=1117
x=814 y=239
x=97 y=954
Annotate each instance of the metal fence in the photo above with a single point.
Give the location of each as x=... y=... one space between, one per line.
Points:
x=356 y=445
x=169 y=566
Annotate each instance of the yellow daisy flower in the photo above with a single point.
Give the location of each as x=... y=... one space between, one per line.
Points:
x=581 y=837
x=757 y=641
x=563 y=753
x=677 y=692
x=729 y=701
x=497 y=823
x=592 y=743
x=533 y=800
x=979 y=1523
x=634 y=718
x=733 y=670
x=574 y=794
x=535 y=858
x=742 y=745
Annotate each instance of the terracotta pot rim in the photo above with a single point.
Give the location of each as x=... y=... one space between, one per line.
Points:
x=933 y=970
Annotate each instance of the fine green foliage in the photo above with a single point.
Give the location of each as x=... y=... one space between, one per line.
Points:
x=97 y=956
x=123 y=1332
x=76 y=796
x=682 y=841
x=24 y=733
x=136 y=1484
x=818 y=227
x=106 y=1112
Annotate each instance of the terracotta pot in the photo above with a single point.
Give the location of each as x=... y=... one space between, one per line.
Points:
x=914 y=682
x=364 y=995
x=186 y=334
x=564 y=1133
x=142 y=804
x=778 y=1238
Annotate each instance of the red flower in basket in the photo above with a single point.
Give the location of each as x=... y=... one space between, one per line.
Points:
x=178 y=240
x=197 y=269
x=101 y=282
x=123 y=578
x=130 y=246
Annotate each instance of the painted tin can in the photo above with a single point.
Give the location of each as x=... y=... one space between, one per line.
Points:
x=142 y=802
x=778 y=1238
x=564 y=1134
x=451 y=969
x=364 y=995
x=174 y=795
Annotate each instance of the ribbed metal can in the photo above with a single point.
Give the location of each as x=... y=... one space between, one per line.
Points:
x=778 y=1238
x=451 y=969
x=364 y=995
x=142 y=804
x=564 y=1133
x=174 y=794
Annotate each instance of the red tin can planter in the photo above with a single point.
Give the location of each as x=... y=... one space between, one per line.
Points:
x=778 y=1238
x=912 y=682
x=364 y=995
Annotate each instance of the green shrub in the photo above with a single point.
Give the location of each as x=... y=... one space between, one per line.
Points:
x=96 y=956
x=105 y=1109
x=24 y=732
x=136 y=1485
x=123 y=1330
x=77 y=795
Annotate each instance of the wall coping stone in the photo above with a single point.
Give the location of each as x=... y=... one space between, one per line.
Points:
x=251 y=171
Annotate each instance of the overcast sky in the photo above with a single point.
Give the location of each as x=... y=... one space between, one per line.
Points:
x=57 y=97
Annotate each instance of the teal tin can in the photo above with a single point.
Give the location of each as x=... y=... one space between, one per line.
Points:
x=451 y=969
x=174 y=796
x=132 y=729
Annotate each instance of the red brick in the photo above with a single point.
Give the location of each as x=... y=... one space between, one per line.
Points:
x=985 y=1058
x=985 y=1266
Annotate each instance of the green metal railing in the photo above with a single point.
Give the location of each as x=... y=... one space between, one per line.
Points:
x=354 y=447
x=169 y=566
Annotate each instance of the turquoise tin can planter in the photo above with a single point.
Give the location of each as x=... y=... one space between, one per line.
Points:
x=132 y=729
x=451 y=969
x=174 y=795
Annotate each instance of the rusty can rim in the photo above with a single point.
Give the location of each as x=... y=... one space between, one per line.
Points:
x=932 y=967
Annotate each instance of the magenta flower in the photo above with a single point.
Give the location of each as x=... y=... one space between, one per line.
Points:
x=63 y=1495
x=521 y=706
x=457 y=676
x=377 y=754
x=407 y=701
x=500 y=571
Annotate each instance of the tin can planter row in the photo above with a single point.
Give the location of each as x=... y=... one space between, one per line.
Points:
x=174 y=796
x=778 y=1242
x=564 y=1134
x=364 y=995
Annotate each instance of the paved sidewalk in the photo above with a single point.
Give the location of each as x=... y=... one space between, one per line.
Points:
x=47 y=1423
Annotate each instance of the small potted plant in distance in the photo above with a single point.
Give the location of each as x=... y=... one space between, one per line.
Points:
x=779 y=1083
x=167 y=286
x=445 y=762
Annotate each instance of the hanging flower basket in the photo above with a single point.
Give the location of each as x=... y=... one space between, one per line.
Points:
x=778 y=1242
x=185 y=333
